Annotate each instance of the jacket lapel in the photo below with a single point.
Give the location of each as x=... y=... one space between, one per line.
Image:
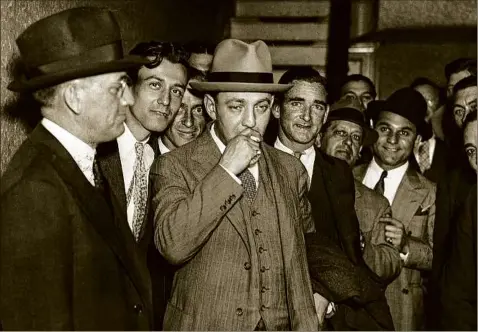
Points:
x=207 y=155
x=409 y=196
x=110 y=163
x=359 y=172
x=94 y=204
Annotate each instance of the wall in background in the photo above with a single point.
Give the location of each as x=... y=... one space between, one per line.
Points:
x=140 y=20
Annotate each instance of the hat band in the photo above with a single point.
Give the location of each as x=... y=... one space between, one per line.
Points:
x=105 y=53
x=236 y=77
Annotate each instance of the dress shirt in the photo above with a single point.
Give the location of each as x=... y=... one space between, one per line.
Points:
x=392 y=181
x=307 y=158
x=162 y=148
x=82 y=153
x=127 y=154
x=254 y=169
x=431 y=149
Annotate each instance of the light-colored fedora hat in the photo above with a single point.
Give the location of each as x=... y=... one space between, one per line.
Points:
x=241 y=67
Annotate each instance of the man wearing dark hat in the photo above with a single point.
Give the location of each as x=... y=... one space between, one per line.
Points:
x=67 y=259
x=412 y=197
x=343 y=136
x=231 y=212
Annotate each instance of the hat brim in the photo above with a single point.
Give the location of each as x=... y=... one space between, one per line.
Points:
x=239 y=87
x=23 y=84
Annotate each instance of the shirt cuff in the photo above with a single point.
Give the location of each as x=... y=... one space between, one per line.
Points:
x=232 y=175
x=404 y=257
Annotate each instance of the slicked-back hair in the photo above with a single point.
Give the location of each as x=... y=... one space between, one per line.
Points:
x=300 y=73
x=173 y=52
x=464 y=83
x=459 y=65
x=420 y=81
x=360 y=78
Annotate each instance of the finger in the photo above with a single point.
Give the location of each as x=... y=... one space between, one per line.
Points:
x=391 y=228
x=392 y=235
x=392 y=221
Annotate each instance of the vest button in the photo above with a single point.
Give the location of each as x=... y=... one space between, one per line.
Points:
x=257 y=231
x=261 y=250
x=223 y=208
x=263 y=269
x=405 y=291
x=138 y=308
x=239 y=311
x=263 y=307
x=247 y=266
x=264 y=289
x=255 y=213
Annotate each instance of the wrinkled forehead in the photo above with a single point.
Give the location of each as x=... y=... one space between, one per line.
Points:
x=466 y=95
x=243 y=97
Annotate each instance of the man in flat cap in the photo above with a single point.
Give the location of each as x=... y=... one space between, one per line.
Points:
x=412 y=197
x=231 y=212
x=68 y=261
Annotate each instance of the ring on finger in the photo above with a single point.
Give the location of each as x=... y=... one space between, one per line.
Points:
x=389 y=240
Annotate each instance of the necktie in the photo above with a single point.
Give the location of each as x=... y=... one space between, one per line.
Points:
x=249 y=185
x=98 y=176
x=380 y=186
x=138 y=190
x=297 y=154
x=424 y=156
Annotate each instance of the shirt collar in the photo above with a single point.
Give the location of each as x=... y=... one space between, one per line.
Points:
x=280 y=146
x=78 y=149
x=162 y=148
x=128 y=139
x=216 y=139
x=396 y=173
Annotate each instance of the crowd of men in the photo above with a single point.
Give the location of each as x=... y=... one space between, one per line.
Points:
x=177 y=190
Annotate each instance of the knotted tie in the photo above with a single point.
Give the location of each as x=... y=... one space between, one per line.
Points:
x=424 y=156
x=297 y=154
x=249 y=185
x=139 y=190
x=380 y=186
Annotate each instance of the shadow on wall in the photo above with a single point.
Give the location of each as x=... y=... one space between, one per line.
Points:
x=24 y=109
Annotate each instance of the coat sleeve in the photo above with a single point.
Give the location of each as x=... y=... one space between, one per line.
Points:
x=381 y=257
x=421 y=249
x=35 y=258
x=184 y=217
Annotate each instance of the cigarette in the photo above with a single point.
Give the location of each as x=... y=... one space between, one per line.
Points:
x=255 y=139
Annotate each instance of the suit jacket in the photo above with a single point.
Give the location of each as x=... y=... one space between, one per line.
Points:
x=452 y=192
x=441 y=162
x=381 y=257
x=160 y=271
x=337 y=267
x=67 y=261
x=199 y=226
x=458 y=295
x=414 y=206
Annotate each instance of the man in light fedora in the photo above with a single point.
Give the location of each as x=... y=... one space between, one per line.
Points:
x=231 y=211
x=400 y=118
x=67 y=259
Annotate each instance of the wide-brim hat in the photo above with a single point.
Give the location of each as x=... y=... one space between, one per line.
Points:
x=241 y=67
x=408 y=103
x=349 y=109
x=71 y=44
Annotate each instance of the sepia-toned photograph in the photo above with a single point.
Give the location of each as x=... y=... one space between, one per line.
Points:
x=238 y=165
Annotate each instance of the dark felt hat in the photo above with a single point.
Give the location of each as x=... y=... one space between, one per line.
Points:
x=408 y=103
x=349 y=109
x=74 y=43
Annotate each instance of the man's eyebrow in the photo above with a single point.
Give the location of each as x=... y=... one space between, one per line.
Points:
x=152 y=77
x=263 y=100
x=469 y=145
x=237 y=100
x=295 y=99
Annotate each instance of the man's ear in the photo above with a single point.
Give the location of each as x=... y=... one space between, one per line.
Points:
x=71 y=96
x=210 y=105
x=276 y=109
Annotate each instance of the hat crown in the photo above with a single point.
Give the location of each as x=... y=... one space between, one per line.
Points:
x=347 y=102
x=233 y=55
x=67 y=34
